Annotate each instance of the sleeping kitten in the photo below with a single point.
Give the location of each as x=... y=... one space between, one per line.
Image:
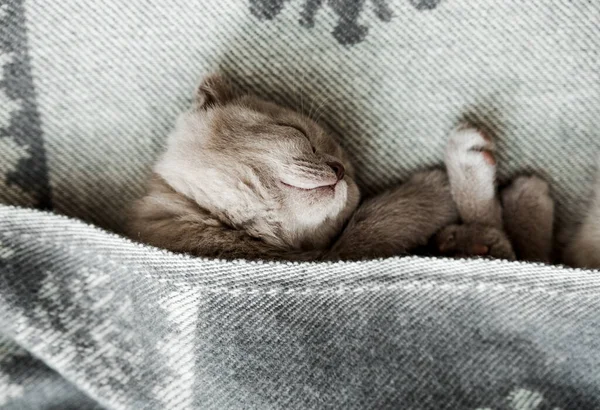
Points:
x=520 y=225
x=244 y=178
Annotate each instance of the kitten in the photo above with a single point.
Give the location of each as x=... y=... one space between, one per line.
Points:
x=583 y=249
x=245 y=178
x=517 y=225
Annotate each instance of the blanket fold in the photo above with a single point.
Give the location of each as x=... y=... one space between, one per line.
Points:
x=130 y=326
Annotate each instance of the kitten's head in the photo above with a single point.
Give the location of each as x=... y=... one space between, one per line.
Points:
x=260 y=167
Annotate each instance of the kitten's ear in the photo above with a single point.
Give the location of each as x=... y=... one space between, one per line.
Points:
x=214 y=90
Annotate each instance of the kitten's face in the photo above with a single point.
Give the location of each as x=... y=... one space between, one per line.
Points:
x=260 y=167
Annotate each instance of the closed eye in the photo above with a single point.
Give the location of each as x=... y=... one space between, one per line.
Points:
x=294 y=127
x=314 y=150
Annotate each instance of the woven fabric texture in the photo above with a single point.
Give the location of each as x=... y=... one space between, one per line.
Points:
x=135 y=327
x=88 y=92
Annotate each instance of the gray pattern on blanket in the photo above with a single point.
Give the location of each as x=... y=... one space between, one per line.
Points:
x=98 y=340
x=136 y=328
x=23 y=169
x=348 y=30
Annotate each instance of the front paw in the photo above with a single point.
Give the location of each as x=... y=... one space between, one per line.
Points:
x=473 y=240
x=471 y=166
x=470 y=154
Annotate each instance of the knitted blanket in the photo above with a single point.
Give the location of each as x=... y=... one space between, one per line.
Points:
x=88 y=319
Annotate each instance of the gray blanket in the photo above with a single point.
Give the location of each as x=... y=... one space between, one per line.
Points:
x=88 y=319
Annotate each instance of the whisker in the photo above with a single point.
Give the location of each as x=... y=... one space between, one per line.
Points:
x=325 y=100
x=312 y=101
x=296 y=88
x=301 y=93
x=310 y=114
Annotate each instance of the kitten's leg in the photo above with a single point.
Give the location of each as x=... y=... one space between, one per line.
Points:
x=529 y=218
x=399 y=220
x=584 y=249
x=472 y=172
x=474 y=240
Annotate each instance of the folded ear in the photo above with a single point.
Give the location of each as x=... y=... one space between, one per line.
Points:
x=214 y=90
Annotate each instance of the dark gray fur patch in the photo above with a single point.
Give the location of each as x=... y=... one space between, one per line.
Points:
x=31 y=173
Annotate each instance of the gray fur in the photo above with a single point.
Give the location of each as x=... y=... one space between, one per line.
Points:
x=400 y=220
x=529 y=218
x=583 y=249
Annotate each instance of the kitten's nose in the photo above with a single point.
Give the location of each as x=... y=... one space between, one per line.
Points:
x=338 y=169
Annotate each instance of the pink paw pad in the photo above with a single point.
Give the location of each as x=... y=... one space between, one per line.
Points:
x=489 y=157
x=480 y=250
